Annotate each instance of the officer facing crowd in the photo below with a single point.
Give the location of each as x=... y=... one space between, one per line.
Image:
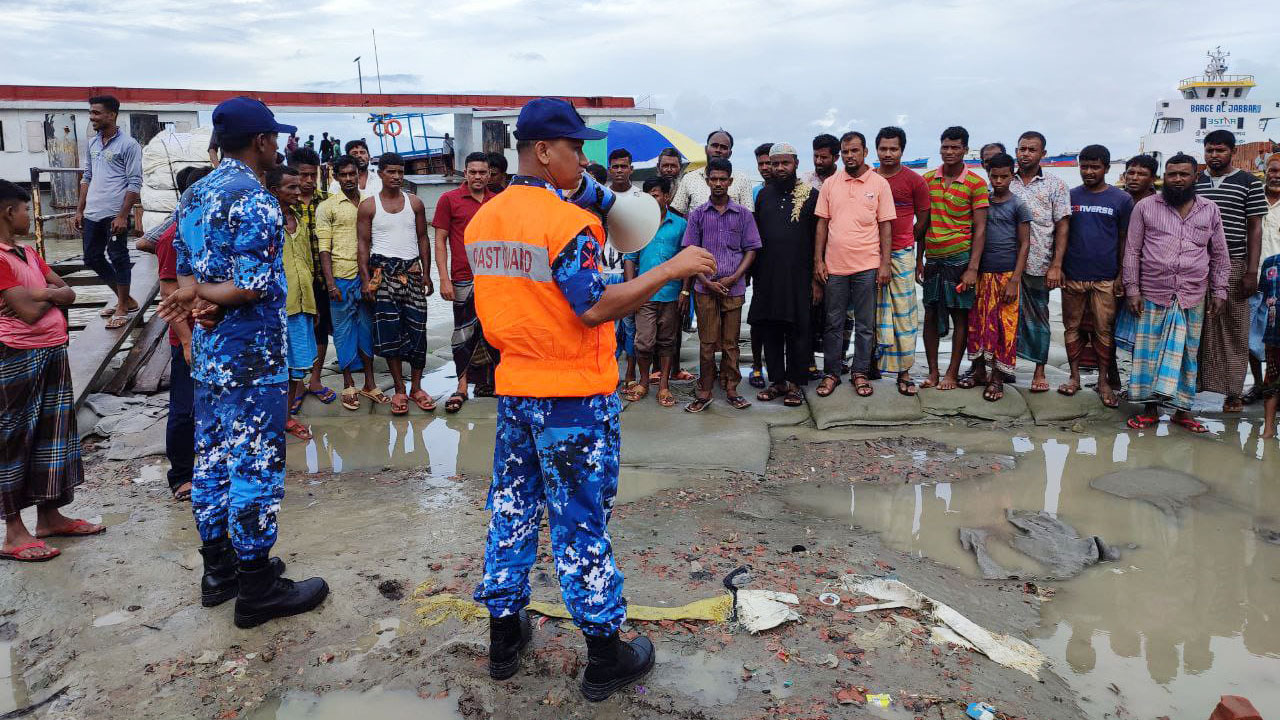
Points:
x=543 y=303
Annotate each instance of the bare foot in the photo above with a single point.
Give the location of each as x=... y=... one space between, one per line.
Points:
x=931 y=381
x=948 y=382
x=1268 y=434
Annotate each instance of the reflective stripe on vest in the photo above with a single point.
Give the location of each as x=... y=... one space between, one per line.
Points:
x=510 y=258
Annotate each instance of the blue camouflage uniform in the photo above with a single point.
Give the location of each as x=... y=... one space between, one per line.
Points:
x=231 y=229
x=561 y=454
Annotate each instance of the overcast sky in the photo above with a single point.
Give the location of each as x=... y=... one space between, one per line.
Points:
x=768 y=70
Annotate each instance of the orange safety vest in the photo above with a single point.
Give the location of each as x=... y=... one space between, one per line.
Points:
x=546 y=351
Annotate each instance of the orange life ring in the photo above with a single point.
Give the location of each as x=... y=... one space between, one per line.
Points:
x=392 y=127
x=377 y=128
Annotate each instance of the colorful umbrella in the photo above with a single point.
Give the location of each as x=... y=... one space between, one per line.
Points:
x=644 y=140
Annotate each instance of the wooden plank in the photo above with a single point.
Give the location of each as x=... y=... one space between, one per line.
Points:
x=137 y=357
x=92 y=349
x=148 y=378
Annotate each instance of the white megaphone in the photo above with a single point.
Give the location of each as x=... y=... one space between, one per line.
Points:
x=631 y=219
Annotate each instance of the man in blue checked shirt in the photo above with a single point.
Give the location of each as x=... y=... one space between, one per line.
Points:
x=229 y=243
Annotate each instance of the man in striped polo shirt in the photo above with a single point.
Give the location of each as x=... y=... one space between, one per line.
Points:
x=948 y=268
x=1224 y=345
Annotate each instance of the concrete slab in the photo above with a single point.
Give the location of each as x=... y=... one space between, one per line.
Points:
x=658 y=437
x=969 y=403
x=844 y=407
x=1054 y=407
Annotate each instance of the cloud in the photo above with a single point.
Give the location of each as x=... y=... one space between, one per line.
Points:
x=370 y=83
x=827 y=120
x=527 y=56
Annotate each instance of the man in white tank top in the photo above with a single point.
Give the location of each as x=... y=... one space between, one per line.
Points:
x=395 y=272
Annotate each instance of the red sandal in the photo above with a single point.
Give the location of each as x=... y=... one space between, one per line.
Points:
x=16 y=554
x=1191 y=424
x=1142 y=422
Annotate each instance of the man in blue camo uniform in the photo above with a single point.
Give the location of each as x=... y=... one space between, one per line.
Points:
x=537 y=276
x=229 y=243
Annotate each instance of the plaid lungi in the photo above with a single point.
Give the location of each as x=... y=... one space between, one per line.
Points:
x=400 y=311
x=471 y=354
x=1165 y=349
x=39 y=445
x=897 y=321
x=1033 y=320
x=1224 y=347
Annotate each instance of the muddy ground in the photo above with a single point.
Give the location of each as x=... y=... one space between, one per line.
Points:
x=113 y=628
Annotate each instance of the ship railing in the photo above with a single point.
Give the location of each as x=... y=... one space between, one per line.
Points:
x=1198 y=80
x=37 y=203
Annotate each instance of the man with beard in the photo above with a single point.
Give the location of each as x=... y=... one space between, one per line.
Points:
x=780 y=308
x=369 y=183
x=1224 y=350
x=897 y=320
x=694 y=192
x=826 y=148
x=851 y=256
x=1175 y=255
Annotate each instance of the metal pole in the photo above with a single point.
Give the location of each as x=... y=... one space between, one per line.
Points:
x=359 y=73
x=35 y=205
x=376 y=63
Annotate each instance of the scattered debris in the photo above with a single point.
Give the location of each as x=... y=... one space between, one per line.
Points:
x=391 y=589
x=879 y=700
x=974 y=540
x=829 y=599
x=760 y=610
x=208 y=657
x=980 y=711
x=1055 y=544
x=1002 y=649
x=434 y=609
x=713 y=609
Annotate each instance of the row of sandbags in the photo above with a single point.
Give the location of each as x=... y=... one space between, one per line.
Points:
x=162 y=159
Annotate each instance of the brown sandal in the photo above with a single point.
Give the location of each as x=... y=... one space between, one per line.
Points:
x=698 y=405
x=666 y=399
x=828 y=385
x=862 y=386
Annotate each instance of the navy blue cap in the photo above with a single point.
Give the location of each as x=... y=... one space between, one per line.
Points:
x=246 y=116
x=551 y=118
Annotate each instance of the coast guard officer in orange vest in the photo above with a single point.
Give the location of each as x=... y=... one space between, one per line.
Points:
x=535 y=253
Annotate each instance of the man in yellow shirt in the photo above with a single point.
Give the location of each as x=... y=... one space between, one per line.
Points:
x=352 y=317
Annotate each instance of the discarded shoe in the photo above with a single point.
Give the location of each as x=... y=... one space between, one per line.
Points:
x=613 y=664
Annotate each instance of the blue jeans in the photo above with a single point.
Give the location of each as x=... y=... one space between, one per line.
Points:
x=352 y=325
x=104 y=254
x=180 y=429
x=849 y=298
x=239 y=473
x=560 y=454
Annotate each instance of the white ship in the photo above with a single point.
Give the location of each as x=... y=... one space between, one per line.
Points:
x=1214 y=101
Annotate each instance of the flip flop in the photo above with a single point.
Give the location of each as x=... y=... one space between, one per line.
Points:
x=182 y=495
x=398 y=406
x=455 y=402
x=326 y=395
x=769 y=394
x=296 y=405
x=907 y=387
x=424 y=401
x=684 y=375
x=16 y=554
x=756 y=379
x=78 y=528
x=107 y=312
x=666 y=399
x=698 y=405
x=794 y=398
x=1039 y=386
x=350 y=399
x=968 y=380
x=115 y=322
x=1142 y=422
x=297 y=429
x=1191 y=424
x=737 y=402
x=375 y=395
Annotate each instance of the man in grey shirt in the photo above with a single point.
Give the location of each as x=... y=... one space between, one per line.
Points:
x=109 y=189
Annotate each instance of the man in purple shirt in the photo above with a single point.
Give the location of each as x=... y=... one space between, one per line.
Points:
x=728 y=231
x=1175 y=255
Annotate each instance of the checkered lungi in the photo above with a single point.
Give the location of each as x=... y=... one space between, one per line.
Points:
x=39 y=445
x=1165 y=349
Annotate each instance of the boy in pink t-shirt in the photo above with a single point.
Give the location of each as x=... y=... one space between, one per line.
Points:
x=40 y=451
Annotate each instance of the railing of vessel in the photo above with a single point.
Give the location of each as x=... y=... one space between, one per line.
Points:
x=1199 y=80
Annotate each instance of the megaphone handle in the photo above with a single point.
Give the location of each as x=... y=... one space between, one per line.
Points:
x=593 y=196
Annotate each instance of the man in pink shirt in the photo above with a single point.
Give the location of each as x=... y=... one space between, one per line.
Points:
x=1175 y=254
x=851 y=259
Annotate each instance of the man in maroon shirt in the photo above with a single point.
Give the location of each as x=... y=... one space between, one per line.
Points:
x=454 y=211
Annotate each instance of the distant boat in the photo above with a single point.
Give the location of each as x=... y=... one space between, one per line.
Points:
x=917 y=163
x=1069 y=159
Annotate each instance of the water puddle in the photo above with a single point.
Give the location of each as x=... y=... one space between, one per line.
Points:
x=384 y=631
x=1189 y=611
x=114 y=617
x=345 y=704
x=708 y=679
x=13 y=687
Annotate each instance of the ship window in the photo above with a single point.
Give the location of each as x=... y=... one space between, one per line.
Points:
x=1240 y=123
x=1211 y=92
x=1239 y=91
x=1169 y=125
x=1204 y=123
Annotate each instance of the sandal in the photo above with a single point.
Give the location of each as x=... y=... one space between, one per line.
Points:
x=907 y=386
x=862 y=386
x=794 y=398
x=455 y=402
x=295 y=405
x=1252 y=396
x=737 y=402
x=1191 y=424
x=424 y=401
x=828 y=385
x=116 y=322
x=297 y=429
x=684 y=375
x=350 y=399
x=376 y=395
x=1069 y=388
x=654 y=377
x=756 y=378
x=326 y=395
x=770 y=394
x=1142 y=422
x=635 y=392
x=666 y=399
x=1233 y=406
x=994 y=391
x=969 y=380
x=399 y=406
x=23 y=553
x=181 y=495
x=78 y=528
x=1039 y=386
x=698 y=405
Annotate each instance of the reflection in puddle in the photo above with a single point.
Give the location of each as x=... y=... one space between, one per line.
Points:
x=1186 y=615
x=346 y=704
x=708 y=679
x=13 y=688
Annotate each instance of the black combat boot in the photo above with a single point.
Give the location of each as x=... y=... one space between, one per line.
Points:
x=219 y=583
x=508 y=636
x=265 y=595
x=613 y=664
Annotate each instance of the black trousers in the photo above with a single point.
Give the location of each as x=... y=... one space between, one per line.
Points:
x=787 y=351
x=180 y=431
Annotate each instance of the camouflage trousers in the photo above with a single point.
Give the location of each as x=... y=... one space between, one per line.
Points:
x=239 y=471
x=561 y=454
